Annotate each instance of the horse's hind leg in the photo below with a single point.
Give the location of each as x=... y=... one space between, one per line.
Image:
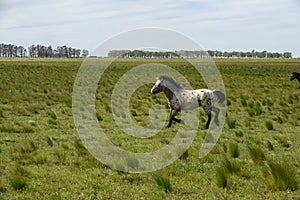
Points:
x=209 y=119
x=207 y=110
x=217 y=111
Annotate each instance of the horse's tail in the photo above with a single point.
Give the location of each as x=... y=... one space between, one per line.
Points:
x=220 y=95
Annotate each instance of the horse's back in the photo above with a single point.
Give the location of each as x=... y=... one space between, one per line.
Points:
x=191 y=99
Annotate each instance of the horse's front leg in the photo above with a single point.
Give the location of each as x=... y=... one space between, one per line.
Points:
x=173 y=113
x=178 y=120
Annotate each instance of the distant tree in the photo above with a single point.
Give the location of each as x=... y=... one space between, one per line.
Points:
x=77 y=53
x=49 y=51
x=10 y=50
x=62 y=51
x=196 y=54
x=85 y=53
x=21 y=51
x=287 y=55
x=32 y=51
x=1 y=49
x=65 y=51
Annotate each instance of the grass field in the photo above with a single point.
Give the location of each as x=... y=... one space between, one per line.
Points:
x=42 y=157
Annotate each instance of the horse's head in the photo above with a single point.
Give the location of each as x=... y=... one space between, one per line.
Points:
x=165 y=82
x=158 y=87
x=294 y=75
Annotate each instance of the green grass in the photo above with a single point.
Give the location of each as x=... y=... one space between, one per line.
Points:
x=283 y=177
x=231 y=123
x=19 y=179
x=18 y=183
x=269 y=125
x=49 y=141
x=42 y=156
x=163 y=181
x=270 y=145
x=256 y=154
x=230 y=166
x=221 y=178
x=234 y=150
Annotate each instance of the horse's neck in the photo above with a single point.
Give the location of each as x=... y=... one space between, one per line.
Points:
x=169 y=94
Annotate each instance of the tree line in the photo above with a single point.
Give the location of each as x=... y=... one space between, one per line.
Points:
x=41 y=51
x=196 y=54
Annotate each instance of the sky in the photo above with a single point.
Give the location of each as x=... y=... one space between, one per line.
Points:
x=226 y=25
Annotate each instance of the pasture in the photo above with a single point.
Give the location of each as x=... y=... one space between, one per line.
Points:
x=42 y=157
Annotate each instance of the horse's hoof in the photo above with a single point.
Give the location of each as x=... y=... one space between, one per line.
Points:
x=182 y=122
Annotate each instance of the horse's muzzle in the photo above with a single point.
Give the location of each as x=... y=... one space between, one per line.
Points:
x=154 y=90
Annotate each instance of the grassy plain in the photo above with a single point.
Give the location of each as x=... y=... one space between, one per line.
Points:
x=42 y=157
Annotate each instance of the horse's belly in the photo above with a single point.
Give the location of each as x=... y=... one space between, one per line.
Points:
x=191 y=106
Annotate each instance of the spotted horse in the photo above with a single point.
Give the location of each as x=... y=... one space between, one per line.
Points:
x=180 y=99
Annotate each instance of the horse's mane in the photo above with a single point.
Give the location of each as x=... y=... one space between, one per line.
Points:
x=170 y=80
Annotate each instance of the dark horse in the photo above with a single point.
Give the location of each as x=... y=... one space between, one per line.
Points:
x=181 y=99
x=295 y=75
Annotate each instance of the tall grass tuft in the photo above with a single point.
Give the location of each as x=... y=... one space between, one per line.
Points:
x=225 y=149
x=39 y=159
x=27 y=147
x=221 y=178
x=19 y=179
x=99 y=117
x=283 y=141
x=81 y=150
x=251 y=112
x=234 y=150
x=269 y=125
x=53 y=115
x=21 y=171
x=49 y=141
x=163 y=181
x=290 y=99
x=282 y=177
x=244 y=102
x=279 y=119
x=61 y=155
x=33 y=145
x=239 y=133
x=1 y=114
x=19 y=182
x=231 y=123
x=185 y=155
x=230 y=167
x=257 y=155
x=270 y=145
